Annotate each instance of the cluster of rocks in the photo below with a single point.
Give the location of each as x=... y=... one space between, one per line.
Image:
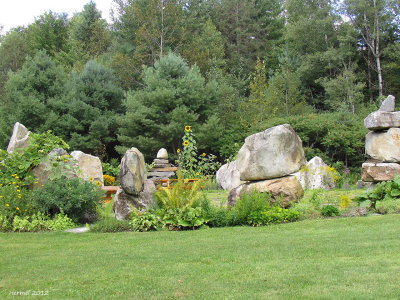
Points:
x=162 y=169
x=135 y=190
x=382 y=143
x=265 y=163
x=273 y=161
x=82 y=165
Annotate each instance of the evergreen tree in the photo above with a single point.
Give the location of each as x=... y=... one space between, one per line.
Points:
x=174 y=96
x=89 y=111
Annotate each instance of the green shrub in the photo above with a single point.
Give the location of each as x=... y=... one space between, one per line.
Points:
x=111 y=225
x=188 y=218
x=273 y=215
x=388 y=206
x=17 y=166
x=73 y=196
x=330 y=211
x=216 y=216
x=254 y=202
x=15 y=201
x=41 y=222
x=384 y=191
x=307 y=210
x=145 y=221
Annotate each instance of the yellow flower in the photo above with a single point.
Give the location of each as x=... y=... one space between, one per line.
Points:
x=91 y=178
x=187 y=128
x=186 y=143
x=7 y=205
x=197 y=173
x=179 y=150
x=98 y=183
x=17 y=208
x=203 y=154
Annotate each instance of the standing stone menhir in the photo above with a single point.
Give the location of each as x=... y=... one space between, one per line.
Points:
x=136 y=190
x=19 y=138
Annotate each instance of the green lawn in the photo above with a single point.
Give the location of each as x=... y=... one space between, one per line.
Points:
x=343 y=258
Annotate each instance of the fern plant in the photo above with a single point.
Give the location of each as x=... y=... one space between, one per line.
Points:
x=182 y=195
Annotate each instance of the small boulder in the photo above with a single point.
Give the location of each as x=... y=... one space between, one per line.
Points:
x=132 y=172
x=288 y=189
x=162 y=154
x=273 y=153
x=124 y=201
x=316 y=175
x=388 y=104
x=89 y=166
x=376 y=171
x=380 y=120
x=228 y=176
x=383 y=146
x=19 y=138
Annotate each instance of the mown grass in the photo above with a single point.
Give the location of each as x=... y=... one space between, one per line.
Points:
x=343 y=258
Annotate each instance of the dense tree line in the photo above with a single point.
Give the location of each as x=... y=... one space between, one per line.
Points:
x=225 y=67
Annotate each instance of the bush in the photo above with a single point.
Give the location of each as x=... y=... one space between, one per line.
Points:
x=111 y=225
x=388 y=206
x=17 y=166
x=330 y=211
x=41 y=222
x=273 y=215
x=255 y=202
x=73 y=196
x=307 y=210
x=15 y=201
x=188 y=218
x=216 y=216
x=384 y=191
x=145 y=221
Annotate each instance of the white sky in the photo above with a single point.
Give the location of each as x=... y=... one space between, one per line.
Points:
x=15 y=13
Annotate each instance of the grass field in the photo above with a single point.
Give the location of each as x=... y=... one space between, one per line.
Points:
x=342 y=258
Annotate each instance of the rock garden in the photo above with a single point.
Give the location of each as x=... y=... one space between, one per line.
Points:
x=44 y=187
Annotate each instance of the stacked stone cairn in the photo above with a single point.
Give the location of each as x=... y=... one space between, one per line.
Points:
x=135 y=190
x=266 y=163
x=162 y=169
x=382 y=143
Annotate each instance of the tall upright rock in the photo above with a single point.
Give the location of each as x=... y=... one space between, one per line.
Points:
x=19 y=138
x=135 y=190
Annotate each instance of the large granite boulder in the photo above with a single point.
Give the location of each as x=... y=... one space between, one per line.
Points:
x=376 y=171
x=42 y=170
x=19 y=138
x=273 y=153
x=383 y=146
x=316 y=175
x=132 y=172
x=388 y=104
x=379 y=120
x=228 y=176
x=89 y=166
x=124 y=201
x=287 y=189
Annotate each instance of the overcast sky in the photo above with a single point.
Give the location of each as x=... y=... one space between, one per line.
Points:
x=23 y=12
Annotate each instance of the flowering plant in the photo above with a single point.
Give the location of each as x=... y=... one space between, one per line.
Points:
x=191 y=163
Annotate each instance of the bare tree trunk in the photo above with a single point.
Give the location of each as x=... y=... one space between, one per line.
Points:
x=162 y=27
